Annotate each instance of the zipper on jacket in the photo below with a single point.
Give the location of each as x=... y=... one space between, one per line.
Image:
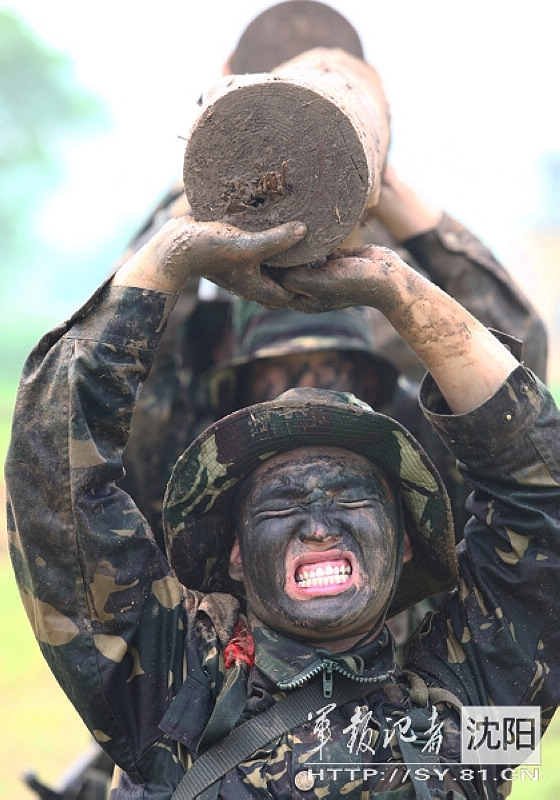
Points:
x=327 y=679
x=327 y=666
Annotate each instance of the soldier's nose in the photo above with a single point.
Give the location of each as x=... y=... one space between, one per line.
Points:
x=317 y=532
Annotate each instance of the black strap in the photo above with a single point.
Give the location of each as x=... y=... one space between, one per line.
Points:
x=293 y=710
x=200 y=780
x=413 y=750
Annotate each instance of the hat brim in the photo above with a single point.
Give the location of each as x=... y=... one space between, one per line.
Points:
x=197 y=504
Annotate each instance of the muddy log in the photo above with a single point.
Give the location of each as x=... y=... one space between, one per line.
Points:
x=305 y=142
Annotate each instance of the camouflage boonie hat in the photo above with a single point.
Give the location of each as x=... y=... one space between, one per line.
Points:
x=200 y=492
x=260 y=333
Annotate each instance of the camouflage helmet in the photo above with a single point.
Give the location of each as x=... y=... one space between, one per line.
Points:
x=198 y=501
x=260 y=334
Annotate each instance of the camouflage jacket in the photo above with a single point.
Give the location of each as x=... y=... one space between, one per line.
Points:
x=173 y=407
x=142 y=658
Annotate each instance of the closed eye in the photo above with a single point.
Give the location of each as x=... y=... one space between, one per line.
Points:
x=275 y=512
x=365 y=503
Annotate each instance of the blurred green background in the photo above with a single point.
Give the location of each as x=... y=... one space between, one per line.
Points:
x=93 y=104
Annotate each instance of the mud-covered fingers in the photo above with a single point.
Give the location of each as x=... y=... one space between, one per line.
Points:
x=223 y=251
x=372 y=276
x=335 y=284
x=268 y=243
x=254 y=284
x=184 y=248
x=270 y=294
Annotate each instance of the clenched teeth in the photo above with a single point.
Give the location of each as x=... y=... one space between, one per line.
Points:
x=323 y=576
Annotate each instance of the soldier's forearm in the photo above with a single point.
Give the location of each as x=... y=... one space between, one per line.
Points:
x=467 y=362
x=156 y=264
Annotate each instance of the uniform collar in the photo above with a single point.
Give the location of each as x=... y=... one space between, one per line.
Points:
x=289 y=663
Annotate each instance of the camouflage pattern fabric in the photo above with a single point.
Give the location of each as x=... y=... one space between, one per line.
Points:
x=173 y=408
x=142 y=657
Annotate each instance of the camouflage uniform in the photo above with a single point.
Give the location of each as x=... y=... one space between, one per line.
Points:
x=173 y=407
x=143 y=659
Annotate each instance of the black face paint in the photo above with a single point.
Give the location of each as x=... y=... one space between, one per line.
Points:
x=318 y=531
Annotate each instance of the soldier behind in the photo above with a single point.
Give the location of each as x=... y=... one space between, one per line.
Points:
x=306 y=522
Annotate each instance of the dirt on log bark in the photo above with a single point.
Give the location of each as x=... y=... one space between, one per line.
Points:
x=306 y=142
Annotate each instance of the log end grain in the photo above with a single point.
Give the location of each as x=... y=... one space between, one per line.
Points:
x=271 y=151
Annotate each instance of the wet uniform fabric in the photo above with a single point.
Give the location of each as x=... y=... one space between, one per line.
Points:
x=174 y=409
x=142 y=658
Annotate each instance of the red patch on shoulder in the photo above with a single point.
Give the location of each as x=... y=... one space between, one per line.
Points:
x=241 y=646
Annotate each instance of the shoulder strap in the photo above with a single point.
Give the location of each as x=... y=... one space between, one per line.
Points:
x=424 y=696
x=292 y=710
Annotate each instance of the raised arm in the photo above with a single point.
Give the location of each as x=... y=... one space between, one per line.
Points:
x=502 y=425
x=460 y=264
x=466 y=360
x=99 y=593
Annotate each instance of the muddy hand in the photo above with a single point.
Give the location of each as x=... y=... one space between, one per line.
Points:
x=366 y=276
x=184 y=249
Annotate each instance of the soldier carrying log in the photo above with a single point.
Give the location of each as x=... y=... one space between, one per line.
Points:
x=314 y=519
x=242 y=677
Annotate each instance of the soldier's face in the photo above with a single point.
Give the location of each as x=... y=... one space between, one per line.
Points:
x=342 y=372
x=318 y=530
